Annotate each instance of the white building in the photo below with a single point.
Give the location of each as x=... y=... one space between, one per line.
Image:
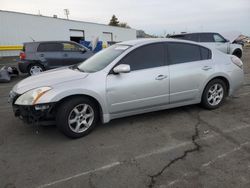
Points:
x=17 y=28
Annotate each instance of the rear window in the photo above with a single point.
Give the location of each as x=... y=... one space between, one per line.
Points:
x=206 y=37
x=50 y=47
x=29 y=47
x=178 y=36
x=192 y=37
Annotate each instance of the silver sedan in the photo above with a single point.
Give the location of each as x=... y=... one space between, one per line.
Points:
x=125 y=79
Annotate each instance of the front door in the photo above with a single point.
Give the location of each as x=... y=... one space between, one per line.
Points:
x=146 y=86
x=220 y=43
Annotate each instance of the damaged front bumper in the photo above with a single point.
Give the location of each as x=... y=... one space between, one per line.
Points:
x=43 y=114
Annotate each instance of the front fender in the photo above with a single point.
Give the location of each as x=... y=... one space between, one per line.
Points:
x=233 y=47
x=55 y=95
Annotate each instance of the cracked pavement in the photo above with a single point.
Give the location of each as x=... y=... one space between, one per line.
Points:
x=182 y=147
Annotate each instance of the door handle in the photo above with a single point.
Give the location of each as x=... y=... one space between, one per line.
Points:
x=41 y=55
x=205 y=68
x=65 y=55
x=161 y=77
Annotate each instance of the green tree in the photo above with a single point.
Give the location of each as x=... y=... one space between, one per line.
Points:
x=124 y=24
x=114 y=21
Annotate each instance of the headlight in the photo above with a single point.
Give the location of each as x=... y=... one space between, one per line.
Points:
x=237 y=61
x=32 y=96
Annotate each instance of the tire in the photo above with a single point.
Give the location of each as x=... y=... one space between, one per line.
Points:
x=35 y=68
x=212 y=98
x=74 y=117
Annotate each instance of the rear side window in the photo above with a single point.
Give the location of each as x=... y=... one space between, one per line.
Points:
x=205 y=53
x=206 y=37
x=144 y=57
x=192 y=37
x=50 y=47
x=183 y=52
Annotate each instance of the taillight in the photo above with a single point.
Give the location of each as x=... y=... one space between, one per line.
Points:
x=237 y=61
x=22 y=55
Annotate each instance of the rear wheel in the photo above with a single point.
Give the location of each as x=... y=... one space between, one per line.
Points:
x=35 y=69
x=214 y=94
x=77 y=117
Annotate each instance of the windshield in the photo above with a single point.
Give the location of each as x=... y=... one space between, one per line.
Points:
x=102 y=59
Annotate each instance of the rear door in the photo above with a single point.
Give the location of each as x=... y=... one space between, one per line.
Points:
x=190 y=65
x=50 y=54
x=147 y=85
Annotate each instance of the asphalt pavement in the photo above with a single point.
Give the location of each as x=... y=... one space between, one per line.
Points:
x=182 y=147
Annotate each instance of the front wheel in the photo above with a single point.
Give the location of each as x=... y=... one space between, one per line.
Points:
x=238 y=53
x=214 y=94
x=76 y=117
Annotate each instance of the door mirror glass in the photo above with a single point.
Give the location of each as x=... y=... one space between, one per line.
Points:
x=122 y=68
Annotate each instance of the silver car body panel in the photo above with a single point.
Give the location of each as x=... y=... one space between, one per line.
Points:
x=141 y=91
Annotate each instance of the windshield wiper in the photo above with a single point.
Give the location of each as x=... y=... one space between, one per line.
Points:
x=76 y=67
x=79 y=69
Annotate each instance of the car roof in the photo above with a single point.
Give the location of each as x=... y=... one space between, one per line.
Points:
x=153 y=40
x=56 y=41
x=192 y=33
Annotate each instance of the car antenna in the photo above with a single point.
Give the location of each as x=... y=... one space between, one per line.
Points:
x=32 y=39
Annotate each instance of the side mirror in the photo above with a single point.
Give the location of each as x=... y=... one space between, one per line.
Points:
x=122 y=68
x=82 y=50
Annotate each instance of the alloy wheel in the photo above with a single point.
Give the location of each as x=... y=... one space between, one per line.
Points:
x=81 y=118
x=215 y=94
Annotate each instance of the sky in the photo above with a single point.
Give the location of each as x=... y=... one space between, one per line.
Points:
x=158 y=17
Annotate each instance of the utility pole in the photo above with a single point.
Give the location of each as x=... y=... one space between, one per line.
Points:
x=66 y=12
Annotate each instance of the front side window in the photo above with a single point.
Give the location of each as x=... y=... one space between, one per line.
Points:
x=218 y=38
x=102 y=59
x=50 y=47
x=71 y=47
x=206 y=37
x=183 y=52
x=145 y=57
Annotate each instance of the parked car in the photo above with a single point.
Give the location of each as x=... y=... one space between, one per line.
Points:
x=125 y=79
x=37 y=57
x=213 y=40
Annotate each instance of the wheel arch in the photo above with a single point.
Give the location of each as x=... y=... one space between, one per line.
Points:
x=223 y=78
x=100 y=108
x=33 y=62
x=237 y=52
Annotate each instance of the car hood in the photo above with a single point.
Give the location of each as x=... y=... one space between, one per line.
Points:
x=48 y=78
x=231 y=35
